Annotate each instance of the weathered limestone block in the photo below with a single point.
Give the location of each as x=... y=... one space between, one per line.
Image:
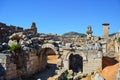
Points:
x=11 y=71
x=17 y=36
x=59 y=63
x=118 y=74
x=66 y=64
x=70 y=74
x=33 y=52
x=111 y=46
x=33 y=65
x=5 y=59
x=92 y=65
x=8 y=65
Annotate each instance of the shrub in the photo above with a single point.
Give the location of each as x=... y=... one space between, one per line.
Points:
x=15 y=47
x=65 y=76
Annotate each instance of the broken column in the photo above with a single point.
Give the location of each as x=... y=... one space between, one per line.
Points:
x=106 y=30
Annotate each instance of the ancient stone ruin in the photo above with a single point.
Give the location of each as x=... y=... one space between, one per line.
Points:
x=23 y=52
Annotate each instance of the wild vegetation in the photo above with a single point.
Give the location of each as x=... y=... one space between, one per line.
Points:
x=14 y=47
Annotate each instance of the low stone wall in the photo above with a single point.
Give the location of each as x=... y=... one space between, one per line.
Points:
x=92 y=65
x=32 y=64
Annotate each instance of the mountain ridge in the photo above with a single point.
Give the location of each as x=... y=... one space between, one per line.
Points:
x=72 y=33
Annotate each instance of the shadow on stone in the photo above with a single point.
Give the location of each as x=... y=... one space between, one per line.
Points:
x=50 y=71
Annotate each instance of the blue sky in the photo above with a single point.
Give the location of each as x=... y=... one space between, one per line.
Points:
x=60 y=16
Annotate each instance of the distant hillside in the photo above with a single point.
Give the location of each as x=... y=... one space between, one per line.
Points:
x=73 y=34
x=113 y=34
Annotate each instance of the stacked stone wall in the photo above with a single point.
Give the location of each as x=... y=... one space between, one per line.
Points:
x=9 y=66
x=92 y=65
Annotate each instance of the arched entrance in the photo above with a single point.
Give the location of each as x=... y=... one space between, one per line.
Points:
x=50 y=51
x=76 y=63
x=47 y=60
x=47 y=56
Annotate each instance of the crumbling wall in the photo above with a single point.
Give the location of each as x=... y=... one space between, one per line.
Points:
x=35 y=63
x=89 y=61
x=9 y=66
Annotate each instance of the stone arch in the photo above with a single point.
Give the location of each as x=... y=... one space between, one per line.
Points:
x=44 y=52
x=71 y=59
x=43 y=57
x=69 y=53
x=51 y=46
